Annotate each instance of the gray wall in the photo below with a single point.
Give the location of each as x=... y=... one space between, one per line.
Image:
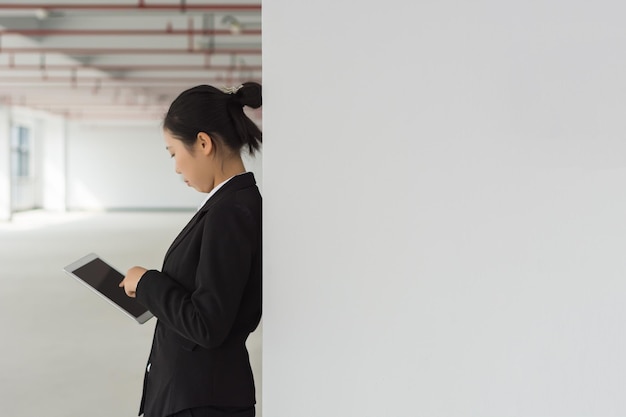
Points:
x=444 y=195
x=123 y=166
x=118 y=166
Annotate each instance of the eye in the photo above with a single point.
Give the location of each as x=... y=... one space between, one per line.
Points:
x=172 y=155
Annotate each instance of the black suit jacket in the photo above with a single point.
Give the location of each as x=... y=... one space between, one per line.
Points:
x=207 y=300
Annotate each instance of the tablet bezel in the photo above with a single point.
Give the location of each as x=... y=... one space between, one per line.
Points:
x=69 y=269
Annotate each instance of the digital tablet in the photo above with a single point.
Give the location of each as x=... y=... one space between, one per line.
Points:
x=104 y=280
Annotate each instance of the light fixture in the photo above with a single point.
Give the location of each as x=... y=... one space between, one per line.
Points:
x=40 y=14
x=235 y=25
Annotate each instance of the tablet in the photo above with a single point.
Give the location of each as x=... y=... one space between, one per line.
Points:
x=104 y=280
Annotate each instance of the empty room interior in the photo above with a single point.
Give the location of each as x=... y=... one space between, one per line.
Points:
x=84 y=87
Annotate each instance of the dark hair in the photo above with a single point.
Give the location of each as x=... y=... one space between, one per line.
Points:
x=218 y=113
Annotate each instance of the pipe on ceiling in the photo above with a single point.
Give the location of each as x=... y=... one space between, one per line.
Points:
x=131 y=81
x=75 y=80
x=124 y=32
x=126 y=7
x=137 y=51
x=56 y=67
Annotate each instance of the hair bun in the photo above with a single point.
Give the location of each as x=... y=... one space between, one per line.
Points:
x=250 y=95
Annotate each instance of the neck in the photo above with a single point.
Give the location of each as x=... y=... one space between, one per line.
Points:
x=231 y=167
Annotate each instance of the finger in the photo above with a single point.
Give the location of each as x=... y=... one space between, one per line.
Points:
x=122 y=283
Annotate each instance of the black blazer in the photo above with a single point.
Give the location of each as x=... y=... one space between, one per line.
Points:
x=207 y=300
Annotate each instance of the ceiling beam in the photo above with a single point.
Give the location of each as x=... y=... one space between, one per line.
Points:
x=133 y=51
x=124 y=68
x=127 y=32
x=140 y=6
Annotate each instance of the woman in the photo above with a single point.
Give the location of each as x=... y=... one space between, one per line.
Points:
x=207 y=298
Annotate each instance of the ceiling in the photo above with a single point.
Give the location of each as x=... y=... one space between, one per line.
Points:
x=123 y=59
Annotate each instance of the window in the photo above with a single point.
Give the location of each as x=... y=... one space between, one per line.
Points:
x=20 y=152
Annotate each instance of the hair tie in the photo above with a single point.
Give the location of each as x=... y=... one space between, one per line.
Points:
x=232 y=90
x=233 y=96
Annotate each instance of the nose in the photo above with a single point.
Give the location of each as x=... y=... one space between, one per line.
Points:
x=177 y=170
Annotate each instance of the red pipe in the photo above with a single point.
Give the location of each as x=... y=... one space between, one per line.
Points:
x=107 y=116
x=132 y=81
x=123 y=108
x=123 y=32
x=100 y=102
x=144 y=51
x=54 y=67
x=140 y=6
x=190 y=45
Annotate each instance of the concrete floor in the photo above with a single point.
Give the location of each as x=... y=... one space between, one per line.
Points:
x=64 y=352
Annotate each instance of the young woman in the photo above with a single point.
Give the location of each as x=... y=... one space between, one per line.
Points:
x=207 y=297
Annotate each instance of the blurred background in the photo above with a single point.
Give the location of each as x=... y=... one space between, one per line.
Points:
x=83 y=167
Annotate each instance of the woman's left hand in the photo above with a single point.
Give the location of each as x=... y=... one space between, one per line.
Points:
x=131 y=280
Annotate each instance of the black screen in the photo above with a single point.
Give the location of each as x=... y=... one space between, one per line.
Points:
x=106 y=280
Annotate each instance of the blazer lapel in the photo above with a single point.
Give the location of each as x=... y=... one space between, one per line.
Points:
x=238 y=182
x=194 y=220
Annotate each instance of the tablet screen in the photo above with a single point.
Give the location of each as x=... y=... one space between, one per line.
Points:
x=105 y=279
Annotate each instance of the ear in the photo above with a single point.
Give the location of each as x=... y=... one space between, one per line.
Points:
x=204 y=143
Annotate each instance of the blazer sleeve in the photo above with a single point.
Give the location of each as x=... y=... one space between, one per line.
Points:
x=206 y=315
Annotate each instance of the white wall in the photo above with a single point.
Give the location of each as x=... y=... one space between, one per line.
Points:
x=444 y=191
x=122 y=166
x=53 y=159
x=113 y=166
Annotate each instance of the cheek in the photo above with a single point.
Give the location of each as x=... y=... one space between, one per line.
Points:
x=187 y=166
x=181 y=161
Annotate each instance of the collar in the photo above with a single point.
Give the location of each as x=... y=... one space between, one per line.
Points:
x=218 y=186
